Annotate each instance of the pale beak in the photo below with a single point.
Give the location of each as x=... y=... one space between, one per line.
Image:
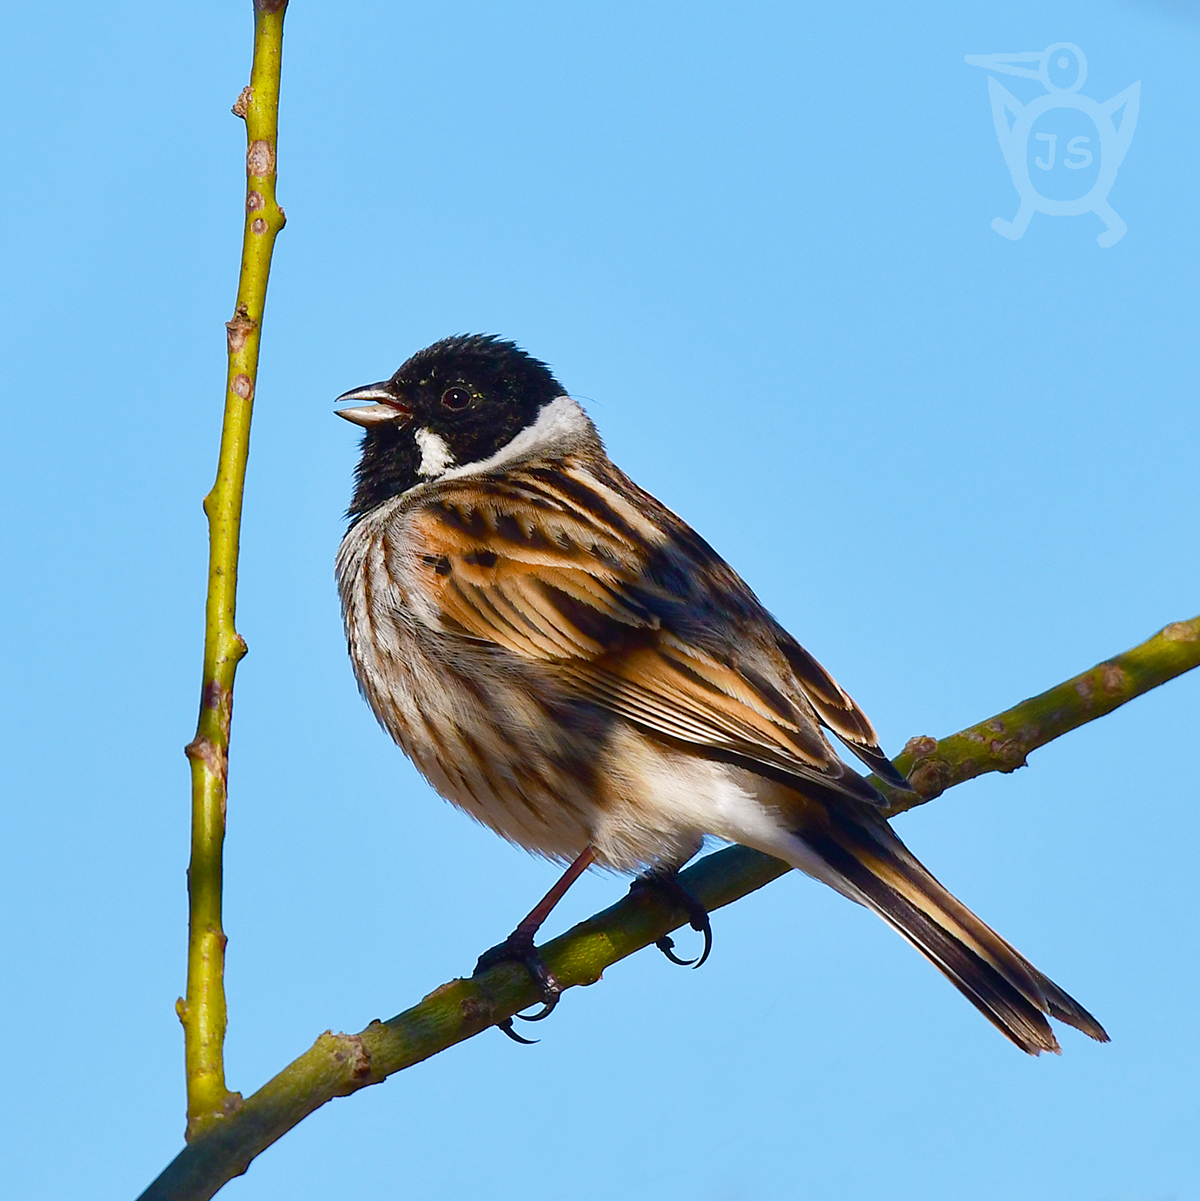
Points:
x=388 y=407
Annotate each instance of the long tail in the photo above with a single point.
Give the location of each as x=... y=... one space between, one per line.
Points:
x=861 y=856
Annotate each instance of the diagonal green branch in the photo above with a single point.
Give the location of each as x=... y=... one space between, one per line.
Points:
x=339 y=1064
x=202 y=1011
x=1003 y=742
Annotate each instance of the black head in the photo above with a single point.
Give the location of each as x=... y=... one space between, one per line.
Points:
x=453 y=403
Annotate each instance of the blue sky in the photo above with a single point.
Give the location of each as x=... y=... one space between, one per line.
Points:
x=756 y=241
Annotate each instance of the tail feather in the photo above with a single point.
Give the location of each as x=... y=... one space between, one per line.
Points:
x=1065 y=1008
x=863 y=858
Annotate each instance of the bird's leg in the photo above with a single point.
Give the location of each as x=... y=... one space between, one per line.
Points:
x=665 y=881
x=518 y=947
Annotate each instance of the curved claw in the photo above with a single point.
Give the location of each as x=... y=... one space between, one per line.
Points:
x=668 y=884
x=519 y=948
x=549 y=1002
x=706 y=930
x=666 y=945
x=506 y=1027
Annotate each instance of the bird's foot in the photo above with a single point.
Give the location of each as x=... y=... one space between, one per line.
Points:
x=667 y=885
x=518 y=948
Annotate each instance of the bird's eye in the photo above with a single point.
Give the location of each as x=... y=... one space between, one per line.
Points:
x=456 y=398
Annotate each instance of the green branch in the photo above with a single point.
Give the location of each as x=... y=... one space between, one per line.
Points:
x=202 y=1012
x=1003 y=742
x=339 y=1064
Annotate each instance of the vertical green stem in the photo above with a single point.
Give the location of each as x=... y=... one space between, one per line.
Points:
x=202 y=1012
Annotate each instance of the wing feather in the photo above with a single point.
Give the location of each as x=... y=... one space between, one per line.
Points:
x=580 y=569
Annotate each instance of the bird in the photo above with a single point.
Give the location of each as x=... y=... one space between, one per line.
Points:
x=571 y=664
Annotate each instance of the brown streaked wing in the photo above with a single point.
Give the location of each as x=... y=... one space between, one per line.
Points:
x=521 y=563
x=693 y=698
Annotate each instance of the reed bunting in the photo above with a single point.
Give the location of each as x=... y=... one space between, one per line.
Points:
x=569 y=662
